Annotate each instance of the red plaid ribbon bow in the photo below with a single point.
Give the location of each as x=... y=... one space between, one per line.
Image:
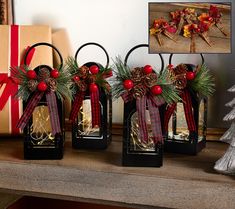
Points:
x=141 y=105
x=95 y=104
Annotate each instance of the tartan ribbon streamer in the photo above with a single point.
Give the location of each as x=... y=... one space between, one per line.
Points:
x=141 y=105
x=187 y=103
x=53 y=111
x=77 y=105
x=29 y=109
x=95 y=108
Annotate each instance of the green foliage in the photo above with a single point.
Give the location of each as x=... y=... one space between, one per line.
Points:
x=169 y=93
x=122 y=72
x=63 y=82
x=74 y=69
x=203 y=82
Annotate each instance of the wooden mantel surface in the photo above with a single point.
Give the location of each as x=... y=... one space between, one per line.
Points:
x=97 y=176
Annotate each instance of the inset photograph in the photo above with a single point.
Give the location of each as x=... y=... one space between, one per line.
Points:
x=190 y=27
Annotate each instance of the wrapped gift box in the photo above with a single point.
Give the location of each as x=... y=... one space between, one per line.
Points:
x=14 y=40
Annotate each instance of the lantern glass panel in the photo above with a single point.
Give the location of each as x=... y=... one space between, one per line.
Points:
x=201 y=122
x=85 y=120
x=136 y=144
x=178 y=126
x=40 y=129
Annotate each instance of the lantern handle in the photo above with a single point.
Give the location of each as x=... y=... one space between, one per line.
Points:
x=96 y=44
x=139 y=46
x=171 y=55
x=44 y=44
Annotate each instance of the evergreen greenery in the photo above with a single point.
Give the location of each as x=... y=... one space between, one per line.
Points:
x=203 y=83
x=169 y=93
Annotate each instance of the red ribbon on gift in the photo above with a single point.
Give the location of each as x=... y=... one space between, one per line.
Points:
x=11 y=87
x=187 y=103
x=152 y=103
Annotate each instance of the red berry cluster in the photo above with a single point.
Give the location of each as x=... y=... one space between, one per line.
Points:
x=129 y=84
x=42 y=85
x=93 y=87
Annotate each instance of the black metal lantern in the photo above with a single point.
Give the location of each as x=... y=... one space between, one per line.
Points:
x=185 y=122
x=84 y=134
x=39 y=141
x=135 y=151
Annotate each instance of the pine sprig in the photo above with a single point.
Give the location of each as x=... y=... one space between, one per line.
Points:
x=74 y=69
x=169 y=93
x=64 y=84
x=72 y=66
x=19 y=76
x=203 y=83
x=122 y=72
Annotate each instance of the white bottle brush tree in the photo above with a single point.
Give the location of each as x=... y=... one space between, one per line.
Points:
x=226 y=164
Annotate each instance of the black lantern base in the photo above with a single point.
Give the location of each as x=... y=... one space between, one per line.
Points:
x=85 y=143
x=44 y=152
x=191 y=147
x=143 y=159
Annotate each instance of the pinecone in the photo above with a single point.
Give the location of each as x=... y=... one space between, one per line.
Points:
x=137 y=74
x=179 y=74
x=32 y=85
x=43 y=74
x=139 y=91
x=83 y=71
x=52 y=84
x=150 y=79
